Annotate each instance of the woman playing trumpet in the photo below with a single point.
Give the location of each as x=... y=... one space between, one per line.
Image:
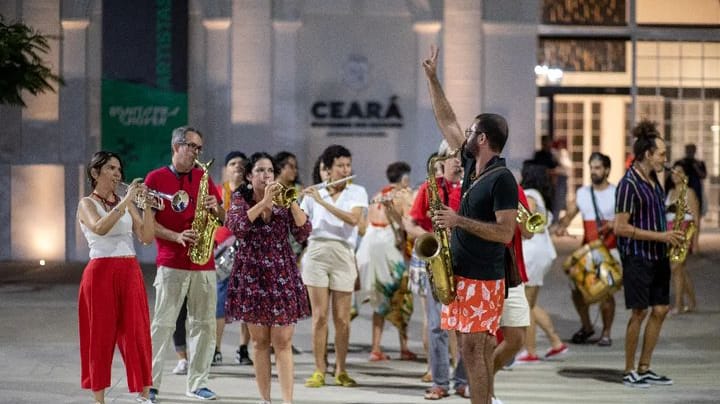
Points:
x=112 y=303
x=265 y=289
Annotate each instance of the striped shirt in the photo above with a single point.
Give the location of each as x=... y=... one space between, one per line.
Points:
x=645 y=203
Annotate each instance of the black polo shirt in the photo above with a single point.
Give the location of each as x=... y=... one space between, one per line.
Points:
x=474 y=257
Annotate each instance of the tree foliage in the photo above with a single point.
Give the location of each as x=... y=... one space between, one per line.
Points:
x=21 y=64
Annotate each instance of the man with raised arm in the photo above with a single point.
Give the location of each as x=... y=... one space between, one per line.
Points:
x=481 y=229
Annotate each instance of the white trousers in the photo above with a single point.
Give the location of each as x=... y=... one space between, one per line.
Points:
x=171 y=287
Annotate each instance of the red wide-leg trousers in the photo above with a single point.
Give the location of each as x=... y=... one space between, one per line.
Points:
x=113 y=309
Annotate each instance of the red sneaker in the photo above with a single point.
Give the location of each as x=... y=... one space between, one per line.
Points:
x=527 y=358
x=556 y=351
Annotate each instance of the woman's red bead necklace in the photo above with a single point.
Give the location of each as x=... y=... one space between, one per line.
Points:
x=107 y=204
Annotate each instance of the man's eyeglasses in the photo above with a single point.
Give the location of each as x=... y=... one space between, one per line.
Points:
x=198 y=148
x=469 y=132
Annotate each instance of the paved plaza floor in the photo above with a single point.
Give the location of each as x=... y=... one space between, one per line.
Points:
x=39 y=359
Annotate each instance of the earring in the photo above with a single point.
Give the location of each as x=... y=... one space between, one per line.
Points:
x=249 y=186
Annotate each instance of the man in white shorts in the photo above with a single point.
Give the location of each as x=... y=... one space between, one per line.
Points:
x=516 y=311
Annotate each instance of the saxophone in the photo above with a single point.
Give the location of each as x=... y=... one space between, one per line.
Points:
x=434 y=248
x=678 y=253
x=204 y=223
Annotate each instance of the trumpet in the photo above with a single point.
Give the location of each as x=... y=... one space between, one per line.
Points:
x=286 y=196
x=179 y=201
x=534 y=222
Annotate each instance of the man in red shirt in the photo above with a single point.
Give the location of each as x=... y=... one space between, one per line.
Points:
x=416 y=225
x=178 y=277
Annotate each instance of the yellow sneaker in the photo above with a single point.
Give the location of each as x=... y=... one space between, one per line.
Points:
x=316 y=380
x=344 y=380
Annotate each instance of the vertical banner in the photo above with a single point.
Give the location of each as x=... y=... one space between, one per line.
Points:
x=144 y=80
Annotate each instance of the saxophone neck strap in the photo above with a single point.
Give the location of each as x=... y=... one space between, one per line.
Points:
x=481 y=176
x=178 y=174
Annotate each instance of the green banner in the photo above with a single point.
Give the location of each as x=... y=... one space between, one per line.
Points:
x=137 y=123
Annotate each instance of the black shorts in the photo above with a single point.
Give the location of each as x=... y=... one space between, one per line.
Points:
x=646 y=282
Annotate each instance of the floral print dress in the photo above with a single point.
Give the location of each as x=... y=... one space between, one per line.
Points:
x=265 y=285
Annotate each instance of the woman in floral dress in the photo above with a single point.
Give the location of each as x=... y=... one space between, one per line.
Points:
x=266 y=290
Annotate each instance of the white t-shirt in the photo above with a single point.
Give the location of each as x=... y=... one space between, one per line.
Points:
x=117 y=242
x=605 y=202
x=325 y=225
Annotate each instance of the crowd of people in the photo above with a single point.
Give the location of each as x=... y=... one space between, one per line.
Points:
x=287 y=252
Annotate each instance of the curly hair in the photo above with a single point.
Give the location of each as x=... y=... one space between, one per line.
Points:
x=396 y=170
x=646 y=137
x=246 y=190
x=333 y=152
x=536 y=176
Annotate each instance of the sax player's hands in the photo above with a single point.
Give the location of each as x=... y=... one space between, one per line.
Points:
x=673 y=237
x=186 y=237
x=445 y=218
x=211 y=203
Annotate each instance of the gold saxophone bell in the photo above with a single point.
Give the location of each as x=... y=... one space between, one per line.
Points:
x=434 y=248
x=286 y=196
x=534 y=223
x=154 y=199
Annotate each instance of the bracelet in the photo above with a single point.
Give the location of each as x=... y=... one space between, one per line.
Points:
x=633 y=233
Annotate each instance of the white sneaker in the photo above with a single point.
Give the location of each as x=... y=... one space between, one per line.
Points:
x=496 y=401
x=181 y=367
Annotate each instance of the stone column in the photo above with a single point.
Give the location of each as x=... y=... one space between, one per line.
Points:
x=286 y=131
x=74 y=126
x=427 y=135
x=217 y=95
x=251 y=38
x=44 y=17
x=462 y=56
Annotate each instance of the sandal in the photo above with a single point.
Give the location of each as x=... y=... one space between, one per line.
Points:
x=343 y=380
x=317 y=379
x=462 y=390
x=436 y=393
x=407 y=356
x=582 y=336
x=604 y=341
x=376 y=356
x=427 y=377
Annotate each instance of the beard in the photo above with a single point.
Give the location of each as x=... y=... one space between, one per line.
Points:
x=597 y=179
x=468 y=150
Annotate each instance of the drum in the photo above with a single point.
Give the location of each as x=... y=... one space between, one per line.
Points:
x=594 y=271
x=225 y=258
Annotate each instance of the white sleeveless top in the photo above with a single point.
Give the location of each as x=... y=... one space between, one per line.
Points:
x=117 y=242
x=670 y=213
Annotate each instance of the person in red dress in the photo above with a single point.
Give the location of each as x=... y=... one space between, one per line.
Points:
x=266 y=290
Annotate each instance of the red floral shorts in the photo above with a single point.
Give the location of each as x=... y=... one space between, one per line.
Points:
x=477 y=307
